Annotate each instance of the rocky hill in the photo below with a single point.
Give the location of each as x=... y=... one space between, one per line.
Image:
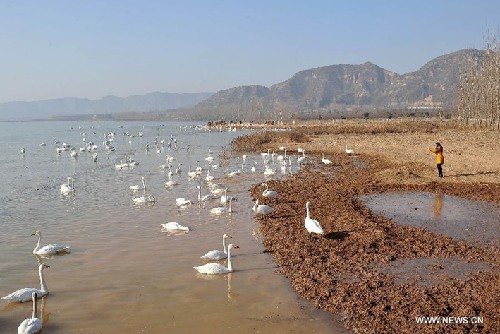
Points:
x=342 y=89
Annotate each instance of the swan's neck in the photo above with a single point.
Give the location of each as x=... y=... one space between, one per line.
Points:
x=307 y=209
x=35 y=311
x=43 y=286
x=38 y=243
x=199 y=194
x=230 y=209
x=224 y=244
x=229 y=264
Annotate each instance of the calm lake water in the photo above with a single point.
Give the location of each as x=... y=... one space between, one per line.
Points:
x=124 y=275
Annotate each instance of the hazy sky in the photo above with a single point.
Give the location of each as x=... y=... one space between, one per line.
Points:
x=90 y=49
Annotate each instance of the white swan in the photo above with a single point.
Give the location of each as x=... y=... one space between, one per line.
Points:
x=312 y=226
x=171 y=183
x=48 y=249
x=181 y=201
x=31 y=325
x=68 y=188
x=213 y=268
x=203 y=198
x=144 y=199
x=209 y=177
x=269 y=193
x=225 y=198
x=325 y=160
x=348 y=150
x=218 y=254
x=25 y=294
x=174 y=226
x=220 y=210
x=136 y=187
x=262 y=208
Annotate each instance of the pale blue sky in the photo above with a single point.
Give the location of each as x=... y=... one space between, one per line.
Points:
x=90 y=49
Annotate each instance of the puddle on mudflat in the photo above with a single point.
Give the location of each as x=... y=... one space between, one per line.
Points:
x=429 y=271
x=473 y=221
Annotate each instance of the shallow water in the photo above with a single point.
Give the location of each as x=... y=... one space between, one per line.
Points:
x=124 y=275
x=473 y=221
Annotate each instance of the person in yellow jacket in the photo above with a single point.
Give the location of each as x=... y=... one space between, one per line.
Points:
x=439 y=158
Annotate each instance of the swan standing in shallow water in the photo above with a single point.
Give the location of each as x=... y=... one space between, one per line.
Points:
x=31 y=325
x=213 y=268
x=68 y=188
x=174 y=226
x=312 y=225
x=25 y=294
x=218 y=254
x=48 y=249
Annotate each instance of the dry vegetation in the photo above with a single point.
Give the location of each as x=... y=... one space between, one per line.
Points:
x=338 y=272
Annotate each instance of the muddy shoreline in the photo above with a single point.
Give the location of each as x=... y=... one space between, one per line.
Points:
x=341 y=273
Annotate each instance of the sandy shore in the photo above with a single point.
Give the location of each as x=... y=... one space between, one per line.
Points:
x=345 y=271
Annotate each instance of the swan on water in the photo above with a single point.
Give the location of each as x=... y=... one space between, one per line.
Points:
x=25 y=294
x=174 y=226
x=31 y=325
x=218 y=254
x=203 y=198
x=209 y=177
x=181 y=201
x=225 y=198
x=48 y=249
x=68 y=188
x=137 y=187
x=220 y=210
x=262 y=208
x=213 y=268
x=269 y=193
x=312 y=225
x=144 y=199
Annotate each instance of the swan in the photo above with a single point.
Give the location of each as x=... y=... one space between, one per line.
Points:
x=144 y=199
x=68 y=188
x=217 y=268
x=312 y=225
x=225 y=198
x=302 y=158
x=220 y=210
x=269 y=171
x=209 y=177
x=31 y=325
x=204 y=197
x=48 y=249
x=218 y=254
x=171 y=183
x=269 y=193
x=136 y=187
x=25 y=294
x=181 y=201
x=174 y=226
x=262 y=208
x=348 y=150
x=191 y=173
x=325 y=160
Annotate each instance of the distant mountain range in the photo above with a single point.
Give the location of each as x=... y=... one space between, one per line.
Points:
x=334 y=90
x=343 y=89
x=75 y=107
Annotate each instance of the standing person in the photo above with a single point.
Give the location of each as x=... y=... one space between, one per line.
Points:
x=439 y=158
